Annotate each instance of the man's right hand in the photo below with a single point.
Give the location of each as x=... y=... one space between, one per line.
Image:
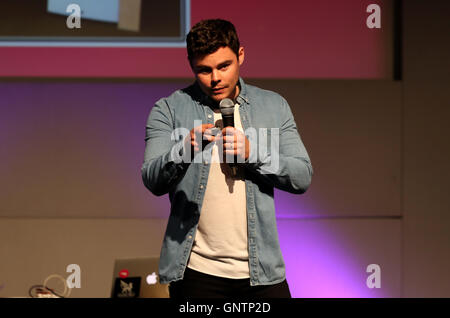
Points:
x=198 y=138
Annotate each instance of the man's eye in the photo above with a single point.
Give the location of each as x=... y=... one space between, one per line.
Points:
x=224 y=67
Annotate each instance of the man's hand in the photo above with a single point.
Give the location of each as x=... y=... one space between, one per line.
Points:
x=235 y=143
x=195 y=141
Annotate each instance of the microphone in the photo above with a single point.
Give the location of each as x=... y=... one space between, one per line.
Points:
x=227 y=110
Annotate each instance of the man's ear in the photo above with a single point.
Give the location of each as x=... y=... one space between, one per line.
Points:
x=241 y=55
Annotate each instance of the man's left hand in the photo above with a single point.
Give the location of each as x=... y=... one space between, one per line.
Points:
x=235 y=143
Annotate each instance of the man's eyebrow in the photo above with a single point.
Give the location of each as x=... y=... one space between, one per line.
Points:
x=200 y=66
x=225 y=62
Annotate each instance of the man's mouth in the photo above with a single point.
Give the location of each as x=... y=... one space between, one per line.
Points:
x=218 y=90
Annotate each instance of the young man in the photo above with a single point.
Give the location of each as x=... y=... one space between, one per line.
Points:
x=221 y=238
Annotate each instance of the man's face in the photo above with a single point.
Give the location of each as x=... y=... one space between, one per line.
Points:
x=218 y=73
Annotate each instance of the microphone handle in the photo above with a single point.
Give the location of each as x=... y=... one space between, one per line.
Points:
x=228 y=121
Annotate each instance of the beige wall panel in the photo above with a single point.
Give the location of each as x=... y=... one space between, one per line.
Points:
x=427 y=153
x=33 y=249
x=352 y=131
x=427 y=186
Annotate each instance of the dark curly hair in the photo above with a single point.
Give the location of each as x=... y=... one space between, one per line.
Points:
x=208 y=36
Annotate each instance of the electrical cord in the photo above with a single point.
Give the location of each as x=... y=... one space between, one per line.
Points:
x=35 y=290
x=41 y=289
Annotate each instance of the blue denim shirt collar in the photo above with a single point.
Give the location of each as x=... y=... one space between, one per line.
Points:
x=243 y=97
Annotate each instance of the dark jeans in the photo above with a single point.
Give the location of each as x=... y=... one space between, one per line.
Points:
x=200 y=285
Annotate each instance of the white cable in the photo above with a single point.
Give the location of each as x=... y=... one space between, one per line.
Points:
x=67 y=290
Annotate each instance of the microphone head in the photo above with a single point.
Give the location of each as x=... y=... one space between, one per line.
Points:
x=226 y=107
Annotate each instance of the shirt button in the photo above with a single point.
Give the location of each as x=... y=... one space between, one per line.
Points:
x=201 y=186
x=190 y=237
x=209 y=116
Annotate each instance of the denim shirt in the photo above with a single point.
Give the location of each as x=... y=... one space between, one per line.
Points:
x=165 y=171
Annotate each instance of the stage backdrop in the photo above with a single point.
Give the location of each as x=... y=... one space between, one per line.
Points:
x=71 y=151
x=283 y=39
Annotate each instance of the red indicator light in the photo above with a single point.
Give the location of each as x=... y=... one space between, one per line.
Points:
x=124 y=273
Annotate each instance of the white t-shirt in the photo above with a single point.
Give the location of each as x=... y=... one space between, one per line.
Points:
x=220 y=247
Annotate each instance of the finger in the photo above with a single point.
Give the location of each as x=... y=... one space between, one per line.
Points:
x=226 y=138
x=234 y=140
x=234 y=135
x=205 y=132
x=210 y=132
x=206 y=126
x=230 y=152
x=229 y=138
x=208 y=137
x=197 y=135
x=230 y=146
x=201 y=128
x=228 y=131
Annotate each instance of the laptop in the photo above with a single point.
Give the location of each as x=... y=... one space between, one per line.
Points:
x=138 y=278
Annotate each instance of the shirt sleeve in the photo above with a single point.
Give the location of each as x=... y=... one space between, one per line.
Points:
x=278 y=156
x=163 y=165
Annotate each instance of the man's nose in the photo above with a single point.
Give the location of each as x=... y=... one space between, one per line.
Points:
x=215 y=78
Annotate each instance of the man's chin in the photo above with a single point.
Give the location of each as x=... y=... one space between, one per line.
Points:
x=218 y=97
